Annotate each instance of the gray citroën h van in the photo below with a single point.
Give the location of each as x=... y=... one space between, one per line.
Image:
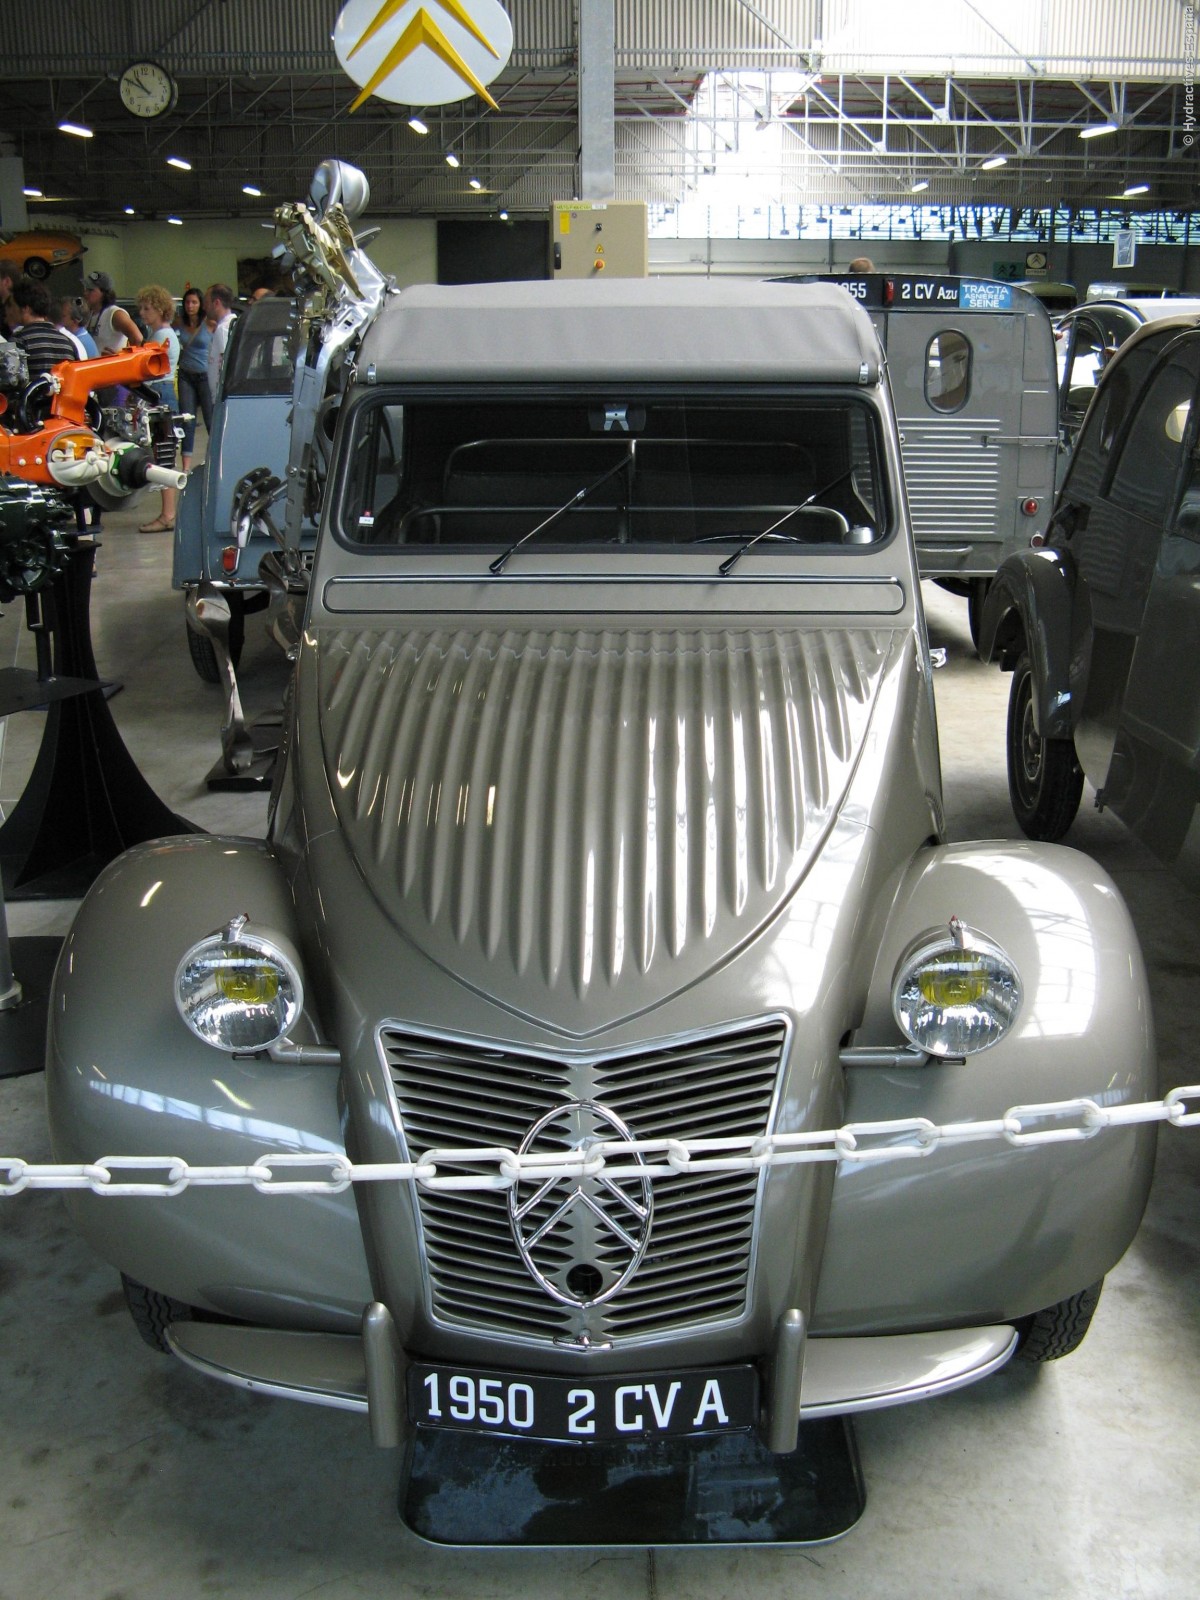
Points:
x=606 y=879
x=973 y=377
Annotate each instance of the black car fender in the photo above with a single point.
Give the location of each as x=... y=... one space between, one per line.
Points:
x=1028 y=611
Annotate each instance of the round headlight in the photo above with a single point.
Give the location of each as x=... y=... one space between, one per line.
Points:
x=955 y=992
x=237 y=990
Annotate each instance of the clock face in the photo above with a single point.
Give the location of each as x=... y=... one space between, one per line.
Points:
x=147 y=89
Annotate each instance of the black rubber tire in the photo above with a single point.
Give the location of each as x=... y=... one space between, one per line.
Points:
x=200 y=646
x=1059 y=1329
x=1045 y=783
x=153 y=1312
x=976 y=595
x=36 y=267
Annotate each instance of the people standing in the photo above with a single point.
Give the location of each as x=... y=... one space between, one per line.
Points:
x=9 y=273
x=220 y=308
x=156 y=308
x=111 y=326
x=73 y=319
x=195 y=397
x=44 y=344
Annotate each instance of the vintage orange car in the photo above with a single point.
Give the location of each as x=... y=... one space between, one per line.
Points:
x=38 y=252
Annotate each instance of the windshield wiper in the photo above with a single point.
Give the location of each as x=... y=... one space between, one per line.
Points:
x=575 y=500
x=730 y=562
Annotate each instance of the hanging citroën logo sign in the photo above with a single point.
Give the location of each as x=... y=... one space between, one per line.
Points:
x=423 y=52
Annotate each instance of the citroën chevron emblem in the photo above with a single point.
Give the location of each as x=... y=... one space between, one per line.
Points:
x=581 y=1239
x=404 y=51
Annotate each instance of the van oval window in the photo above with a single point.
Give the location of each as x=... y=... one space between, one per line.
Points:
x=947 y=371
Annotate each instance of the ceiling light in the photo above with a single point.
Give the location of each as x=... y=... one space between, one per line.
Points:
x=178 y=161
x=32 y=194
x=248 y=188
x=176 y=221
x=77 y=128
x=1135 y=188
x=992 y=163
x=417 y=125
x=504 y=216
x=474 y=183
x=1095 y=129
x=920 y=186
x=129 y=211
x=451 y=159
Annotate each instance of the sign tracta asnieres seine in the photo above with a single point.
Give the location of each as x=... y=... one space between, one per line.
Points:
x=423 y=52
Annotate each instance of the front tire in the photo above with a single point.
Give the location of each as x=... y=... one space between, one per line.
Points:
x=35 y=267
x=1056 y=1331
x=153 y=1313
x=976 y=594
x=1045 y=782
x=204 y=655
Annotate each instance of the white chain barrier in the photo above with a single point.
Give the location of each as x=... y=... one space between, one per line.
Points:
x=857 y=1143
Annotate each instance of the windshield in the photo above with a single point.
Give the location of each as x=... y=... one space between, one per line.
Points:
x=561 y=472
x=260 y=355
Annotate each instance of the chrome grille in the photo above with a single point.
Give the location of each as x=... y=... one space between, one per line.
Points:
x=452 y=1092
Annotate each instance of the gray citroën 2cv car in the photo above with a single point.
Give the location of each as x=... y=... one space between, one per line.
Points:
x=605 y=875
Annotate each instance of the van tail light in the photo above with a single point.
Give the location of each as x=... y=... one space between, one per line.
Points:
x=229 y=558
x=1030 y=508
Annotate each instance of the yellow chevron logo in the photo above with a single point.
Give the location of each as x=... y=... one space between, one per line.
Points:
x=423 y=32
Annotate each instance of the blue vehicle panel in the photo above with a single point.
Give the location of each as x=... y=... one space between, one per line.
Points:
x=251 y=428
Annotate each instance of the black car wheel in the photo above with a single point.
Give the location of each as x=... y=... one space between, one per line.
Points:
x=200 y=646
x=976 y=595
x=36 y=267
x=153 y=1313
x=1059 y=1329
x=1045 y=781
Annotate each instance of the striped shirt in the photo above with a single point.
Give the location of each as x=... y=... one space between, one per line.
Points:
x=44 y=346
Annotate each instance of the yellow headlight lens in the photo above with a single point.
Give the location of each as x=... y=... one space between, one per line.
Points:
x=254 y=984
x=956 y=983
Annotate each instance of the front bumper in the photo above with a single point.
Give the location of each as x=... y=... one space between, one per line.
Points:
x=363 y=1373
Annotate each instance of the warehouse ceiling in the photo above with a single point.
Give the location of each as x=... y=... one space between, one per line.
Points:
x=866 y=100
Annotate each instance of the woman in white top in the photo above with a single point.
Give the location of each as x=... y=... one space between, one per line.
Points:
x=112 y=327
x=156 y=307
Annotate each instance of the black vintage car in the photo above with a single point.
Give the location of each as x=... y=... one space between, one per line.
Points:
x=1101 y=627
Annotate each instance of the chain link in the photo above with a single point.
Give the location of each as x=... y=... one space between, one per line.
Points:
x=855 y=1144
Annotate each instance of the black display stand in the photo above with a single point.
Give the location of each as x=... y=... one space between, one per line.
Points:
x=464 y=1489
x=85 y=801
x=27 y=965
x=23 y=1024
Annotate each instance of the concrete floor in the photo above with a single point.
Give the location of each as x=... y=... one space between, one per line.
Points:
x=127 y=1476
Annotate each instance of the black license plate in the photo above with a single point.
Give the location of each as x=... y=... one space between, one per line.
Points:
x=583 y=1410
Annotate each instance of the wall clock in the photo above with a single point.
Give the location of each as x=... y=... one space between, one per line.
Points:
x=147 y=89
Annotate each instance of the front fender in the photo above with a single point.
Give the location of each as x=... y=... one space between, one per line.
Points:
x=125 y=1076
x=1028 y=608
x=988 y=1232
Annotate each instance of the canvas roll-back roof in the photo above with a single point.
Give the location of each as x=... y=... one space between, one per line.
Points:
x=667 y=329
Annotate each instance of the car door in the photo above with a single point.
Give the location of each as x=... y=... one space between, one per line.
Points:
x=1115 y=545
x=1086 y=344
x=1154 y=775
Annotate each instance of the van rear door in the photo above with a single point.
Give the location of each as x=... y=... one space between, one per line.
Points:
x=973 y=377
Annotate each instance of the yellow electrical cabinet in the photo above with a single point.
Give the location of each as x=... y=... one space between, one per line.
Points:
x=589 y=238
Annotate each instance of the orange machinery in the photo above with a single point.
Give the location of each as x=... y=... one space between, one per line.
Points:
x=66 y=450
